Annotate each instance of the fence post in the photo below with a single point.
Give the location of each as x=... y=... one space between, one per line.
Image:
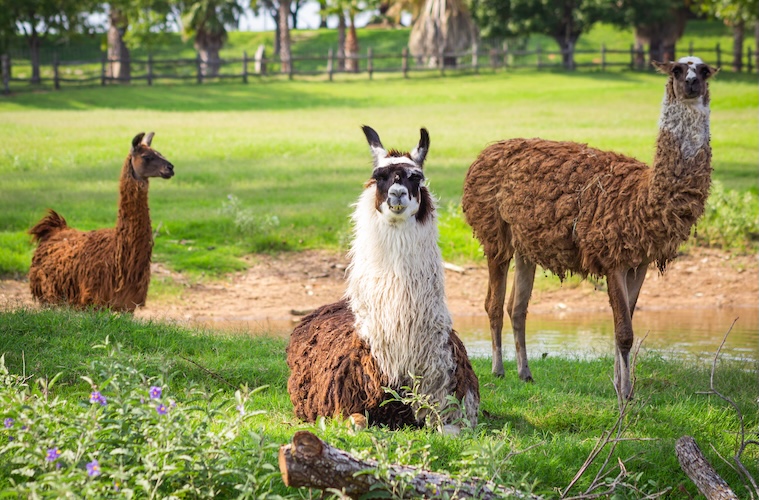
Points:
x=475 y=57
x=369 y=62
x=150 y=69
x=198 y=69
x=260 y=64
x=6 y=63
x=750 y=60
x=404 y=62
x=102 y=70
x=719 y=56
x=539 y=53
x=56 y=76
x=244 y=66
x=330 y=64
x=493 y=59
x=506 y=55
x=603 y=57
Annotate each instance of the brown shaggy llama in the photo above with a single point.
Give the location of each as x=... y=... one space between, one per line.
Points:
x=105 y=268
x=393 y=327
x=571 y=208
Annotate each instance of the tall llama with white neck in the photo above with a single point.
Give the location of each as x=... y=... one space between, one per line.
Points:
x=574 y=209
x=393 y=325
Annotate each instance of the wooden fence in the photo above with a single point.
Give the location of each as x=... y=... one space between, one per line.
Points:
x=494 y=58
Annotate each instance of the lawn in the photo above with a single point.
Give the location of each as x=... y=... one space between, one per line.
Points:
x=533 y=436
x=275 y=165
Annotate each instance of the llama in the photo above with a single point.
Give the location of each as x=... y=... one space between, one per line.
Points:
x=105 y=268
x=392 y=328
x=573 y=209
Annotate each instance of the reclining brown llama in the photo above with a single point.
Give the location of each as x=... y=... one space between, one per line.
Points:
x=393 y=324
x=105 y=268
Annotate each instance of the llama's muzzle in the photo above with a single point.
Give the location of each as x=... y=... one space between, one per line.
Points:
x=167 y=172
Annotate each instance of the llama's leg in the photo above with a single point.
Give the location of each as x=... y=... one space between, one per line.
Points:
x=524 y=277
x=635 y=278
x=494 y=307
x=616 y=281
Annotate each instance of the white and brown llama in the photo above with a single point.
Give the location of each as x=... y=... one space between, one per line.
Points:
x=393 y=325
x=571 y=208
x=106 y=268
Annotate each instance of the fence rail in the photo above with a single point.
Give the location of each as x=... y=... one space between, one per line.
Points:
x=493 y=58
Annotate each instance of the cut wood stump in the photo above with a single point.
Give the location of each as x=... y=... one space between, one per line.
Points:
x=699 y=470
x=310 y=462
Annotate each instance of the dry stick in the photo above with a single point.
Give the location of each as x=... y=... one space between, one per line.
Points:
x=213 y=374
x=312 y=463
x=700 y=471
x=744 y=473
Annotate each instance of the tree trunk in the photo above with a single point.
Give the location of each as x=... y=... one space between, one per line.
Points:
x=208 y=46
x=738 y=32
x=275 y=17
x=294 y=13
x=284 y=36
x=567 y=45
x=443 y=26
x=699 y=470
x=351 y=46
x=662 y=37
x=341 y=28
x=34 y=55
x=118 y=54
x=311 y=462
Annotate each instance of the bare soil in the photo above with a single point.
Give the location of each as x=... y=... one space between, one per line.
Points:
x=281 y=288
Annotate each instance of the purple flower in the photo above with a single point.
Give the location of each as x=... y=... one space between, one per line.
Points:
x=96 y=397
x=93 y=469
x=8 y=423
x=161 y=409
x=53 y=454
x=241 y=409
x=155 y=392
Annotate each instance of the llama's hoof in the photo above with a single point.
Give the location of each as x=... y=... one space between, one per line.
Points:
x=498 y=374
x=529 y=379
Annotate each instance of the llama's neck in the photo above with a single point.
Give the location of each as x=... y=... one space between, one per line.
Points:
x=133 y=232
x=396 y=291
x=681 y=174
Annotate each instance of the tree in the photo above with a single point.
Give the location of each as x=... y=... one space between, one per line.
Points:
x=658 y=24
x=738 y=14
x=442 y=26
x=347 y=37
x=563 y=20
x=206 y=21
x=36 y=20
x=284 y=38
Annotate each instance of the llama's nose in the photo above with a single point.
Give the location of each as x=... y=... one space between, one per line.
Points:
x=396 y=191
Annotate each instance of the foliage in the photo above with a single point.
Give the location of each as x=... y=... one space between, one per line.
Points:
x=133 y=436
x=208 y=20
x=246 y=220
x=731 y=11
x=730 y=220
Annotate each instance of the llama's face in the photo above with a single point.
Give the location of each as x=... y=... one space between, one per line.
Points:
x=398 y=179
x=687 y=78
x=146 y=161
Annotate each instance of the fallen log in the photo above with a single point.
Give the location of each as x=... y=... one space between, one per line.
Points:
x=308 y=461
x=699 y=470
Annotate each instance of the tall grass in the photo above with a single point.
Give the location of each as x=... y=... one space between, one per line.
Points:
x=54 y=367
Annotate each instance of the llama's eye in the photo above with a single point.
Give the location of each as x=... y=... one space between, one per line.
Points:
x=380 y=177
x=146 y=157
x=677 y=71
x=416 y=178
x=705 y=72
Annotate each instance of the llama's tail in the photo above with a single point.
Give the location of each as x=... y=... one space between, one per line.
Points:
x=49 y=225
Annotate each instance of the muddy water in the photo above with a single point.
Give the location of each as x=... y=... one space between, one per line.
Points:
x=695 y=333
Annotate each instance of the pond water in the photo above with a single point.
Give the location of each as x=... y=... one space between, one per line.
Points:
x=695 y=333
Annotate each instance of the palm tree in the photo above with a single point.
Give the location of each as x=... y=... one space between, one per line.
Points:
x=206 y=21
x=346 y=10
x=443 y=26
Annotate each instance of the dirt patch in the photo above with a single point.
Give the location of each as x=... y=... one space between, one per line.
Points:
x=280 y=288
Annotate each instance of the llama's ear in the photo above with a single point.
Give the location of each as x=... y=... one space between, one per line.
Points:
x=378 y=151
x=419 y=153
x=137 y=140
x=663 y=68
x=148 y=139
x=711 y=71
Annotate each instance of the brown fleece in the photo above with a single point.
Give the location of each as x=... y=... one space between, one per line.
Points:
x=575 y=209
x=333 y=373
x=105 y=268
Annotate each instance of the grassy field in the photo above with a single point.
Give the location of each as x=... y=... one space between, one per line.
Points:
x=558 y=420
x=275 y=166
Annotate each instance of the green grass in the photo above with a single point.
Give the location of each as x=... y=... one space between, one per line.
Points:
x=294 y=151
x=562 y=414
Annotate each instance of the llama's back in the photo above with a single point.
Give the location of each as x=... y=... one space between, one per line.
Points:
x=77 y=268
x=546 y=199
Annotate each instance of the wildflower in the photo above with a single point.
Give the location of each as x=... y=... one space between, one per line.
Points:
x=161 y=409
x=96 y=397
x=116 y=486
x=93 y=469
x=53 y=454
x=8 y=423
x=155 y=392
x=241 y=409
